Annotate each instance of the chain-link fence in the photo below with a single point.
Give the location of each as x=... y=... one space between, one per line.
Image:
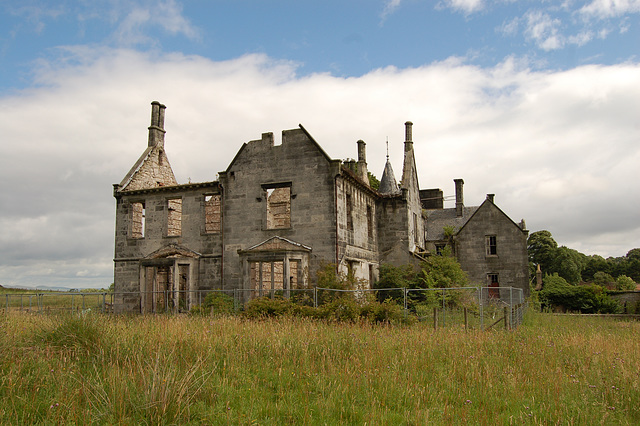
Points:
x=468 y=307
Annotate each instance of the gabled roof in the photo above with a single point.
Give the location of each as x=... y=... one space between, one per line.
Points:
x=172 y=250
x=152 y=170
x=276 y=244
x=489 y=203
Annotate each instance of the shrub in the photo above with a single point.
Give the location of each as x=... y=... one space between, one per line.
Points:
x=625 y=283
x=340 y=309
x=216 y=303
x=588 y=299
x=385 y=312
x=263 y=307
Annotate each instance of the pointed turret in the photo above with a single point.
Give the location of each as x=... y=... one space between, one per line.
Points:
x=388 y=184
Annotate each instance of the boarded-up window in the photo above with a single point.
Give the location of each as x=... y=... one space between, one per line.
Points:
x=212 y=213
x=278 y=207
x=138 y=214
x=267 y=276
x=174 y=217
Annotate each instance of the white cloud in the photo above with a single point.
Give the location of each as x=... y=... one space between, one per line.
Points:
x=166 y=14
x=603 y=9
x=544 y=30
x=558 y=149
x=465 y=6
x=389 y=7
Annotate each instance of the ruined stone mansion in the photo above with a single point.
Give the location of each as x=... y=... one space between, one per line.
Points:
x=280 y=212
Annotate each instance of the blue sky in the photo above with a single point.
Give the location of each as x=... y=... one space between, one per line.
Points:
x=535 y=101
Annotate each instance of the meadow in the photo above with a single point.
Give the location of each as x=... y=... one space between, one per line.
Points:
x=163 y=369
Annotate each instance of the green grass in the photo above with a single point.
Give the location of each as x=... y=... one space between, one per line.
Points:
x=179 y=370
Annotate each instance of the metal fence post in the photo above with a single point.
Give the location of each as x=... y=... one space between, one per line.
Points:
x=406 y=312
x=444 y=313
x=315 y=297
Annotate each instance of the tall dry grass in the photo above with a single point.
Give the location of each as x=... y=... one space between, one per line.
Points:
x=179 y=370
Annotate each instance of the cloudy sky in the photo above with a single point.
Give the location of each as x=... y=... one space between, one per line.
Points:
x=535 y=101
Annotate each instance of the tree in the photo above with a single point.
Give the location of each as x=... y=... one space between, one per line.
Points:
x=541 y=248
x=625 y=283
x=603 y=279
x=568 y=263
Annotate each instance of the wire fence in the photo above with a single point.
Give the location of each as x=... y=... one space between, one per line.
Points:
x=469 y=307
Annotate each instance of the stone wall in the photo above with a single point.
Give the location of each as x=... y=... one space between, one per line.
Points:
x=510 y=261
x=298 y=164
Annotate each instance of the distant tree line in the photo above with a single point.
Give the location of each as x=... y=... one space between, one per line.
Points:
x=564 y=268
x=576 y=267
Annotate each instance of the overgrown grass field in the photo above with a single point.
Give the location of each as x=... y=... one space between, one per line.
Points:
x=200 y=370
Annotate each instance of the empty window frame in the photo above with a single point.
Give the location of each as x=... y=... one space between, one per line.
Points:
x=174 y=217
x=138 y=218
x=416 y=236
x=492 y=245
x=370 y=222
x=212 y=214
x=440 y=249
x=349 y=210
x=278 y=207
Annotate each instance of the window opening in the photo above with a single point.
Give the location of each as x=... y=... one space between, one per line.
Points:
x=138 y=215
x=212 y=213
x=174 y=217
x=349 y=213
x=278 y=207
x=492 y=246
x=370 y=222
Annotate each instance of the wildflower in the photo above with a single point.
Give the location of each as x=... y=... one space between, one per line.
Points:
x=468 y=401
x=54 y=405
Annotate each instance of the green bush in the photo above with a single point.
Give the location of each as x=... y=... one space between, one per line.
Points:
x=587 y=299
x=216 y=303
x=263 y=307
x=623 y=282
x=341 y=309
x=385 y=312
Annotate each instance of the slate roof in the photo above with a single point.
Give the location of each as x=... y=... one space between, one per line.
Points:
x=438 y=219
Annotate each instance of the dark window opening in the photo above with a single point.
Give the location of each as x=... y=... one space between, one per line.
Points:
x=492 y=245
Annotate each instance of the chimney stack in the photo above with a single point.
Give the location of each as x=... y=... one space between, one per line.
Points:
x=408 y=136
x=362 y=161
x=156 y=130
x=490 y=197
x=459 y=197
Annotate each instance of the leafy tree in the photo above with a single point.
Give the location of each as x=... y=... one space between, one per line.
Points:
x=625 y=283
x=595 y=264
x=541 y=248
x=568 y=263
x=603 y=279
x=442 y=272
